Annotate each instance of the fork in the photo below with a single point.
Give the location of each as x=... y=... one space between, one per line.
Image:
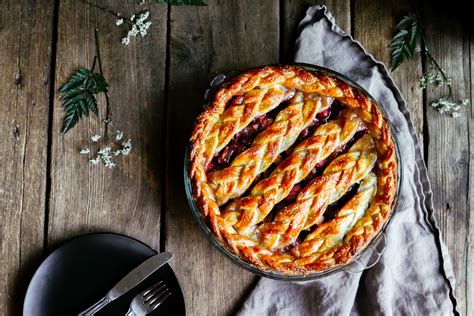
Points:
x=149 y=300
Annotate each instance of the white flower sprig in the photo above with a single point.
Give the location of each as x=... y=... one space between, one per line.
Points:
x=138 y=24
x=437 y=76
x=449 y=106
x=407 y=43
x=105 y=152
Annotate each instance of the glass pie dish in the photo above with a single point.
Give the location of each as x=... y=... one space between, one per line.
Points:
x=364 y=259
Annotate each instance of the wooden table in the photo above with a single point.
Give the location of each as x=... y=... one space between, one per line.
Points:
x=49 y=193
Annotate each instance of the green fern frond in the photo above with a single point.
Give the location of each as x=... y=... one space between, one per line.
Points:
x=77 y=95
x=403 y=44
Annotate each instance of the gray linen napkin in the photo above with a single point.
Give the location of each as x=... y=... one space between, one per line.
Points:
x=414 y=275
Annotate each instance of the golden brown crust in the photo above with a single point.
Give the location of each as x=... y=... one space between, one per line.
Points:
x=271 y=190
x=233 y=181
x=256 y=92
x=312 y=201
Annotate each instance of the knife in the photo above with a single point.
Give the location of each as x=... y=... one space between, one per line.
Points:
x=132 y=279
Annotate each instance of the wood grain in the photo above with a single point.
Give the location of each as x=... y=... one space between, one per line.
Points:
x=25 y=56
x=293 y=11
x=470 y=222
x=448 y=149
x=86 y=198
x=374 y=26
x=206 y=41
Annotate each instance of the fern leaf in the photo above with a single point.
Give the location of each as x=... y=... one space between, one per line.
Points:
x=403 y=44
x=75 y=80
x=77 y=95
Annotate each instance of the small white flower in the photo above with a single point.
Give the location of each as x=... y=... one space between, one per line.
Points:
x=109 y=164
x=465 y=102
x=449 y=106
x=118 y=135
x=126 y=40
x=143 y=28
x=430 y=77
x=133 y=31
x=139 y=27
x=95 y=161
x=104 y=154
x=126 y=147
x=119 y=21
x=104 y=151
x=145 y=16
x=107 y=151
x=422 y=82
x=142 y=17
x=439 y=79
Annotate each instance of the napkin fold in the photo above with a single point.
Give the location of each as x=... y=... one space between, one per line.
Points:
x=414 y=275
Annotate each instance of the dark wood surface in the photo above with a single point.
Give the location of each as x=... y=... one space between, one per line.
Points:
x=447 y=153
x=126 y=199
x=49 y=193
x=25 y=66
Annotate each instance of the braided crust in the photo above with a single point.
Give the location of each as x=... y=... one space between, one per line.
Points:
x=310 y=204
x=330 y=234
x=233 y=181
x=292 y=170
x=265 y=246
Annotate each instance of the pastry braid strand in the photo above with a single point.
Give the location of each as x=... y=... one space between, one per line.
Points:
x=365 y=230
x=307 y=210
x=239 y=114
x=233 y=181
x=331 y=233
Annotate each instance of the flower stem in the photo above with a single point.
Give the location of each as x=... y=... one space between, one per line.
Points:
x=93 y=64
x=434 y=63
x=107 y=113
x=114 y=13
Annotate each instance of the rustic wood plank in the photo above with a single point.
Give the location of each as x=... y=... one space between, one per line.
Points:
x=470 y=223
x=25 y=62
x=86 y=198
x=374 y=26
x=293 y=11
x=448 y=150
x=205 y=41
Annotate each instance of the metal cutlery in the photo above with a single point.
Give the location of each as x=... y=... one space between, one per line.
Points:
x=149 y=300
x=131 y=280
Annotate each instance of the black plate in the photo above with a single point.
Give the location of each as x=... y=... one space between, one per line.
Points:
x=82 y=270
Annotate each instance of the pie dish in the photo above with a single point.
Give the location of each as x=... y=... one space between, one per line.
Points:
x=293 y=169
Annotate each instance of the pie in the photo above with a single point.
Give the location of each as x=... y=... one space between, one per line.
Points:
x=294 y=170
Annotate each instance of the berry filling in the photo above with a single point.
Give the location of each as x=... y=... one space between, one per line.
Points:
x=240 y=142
